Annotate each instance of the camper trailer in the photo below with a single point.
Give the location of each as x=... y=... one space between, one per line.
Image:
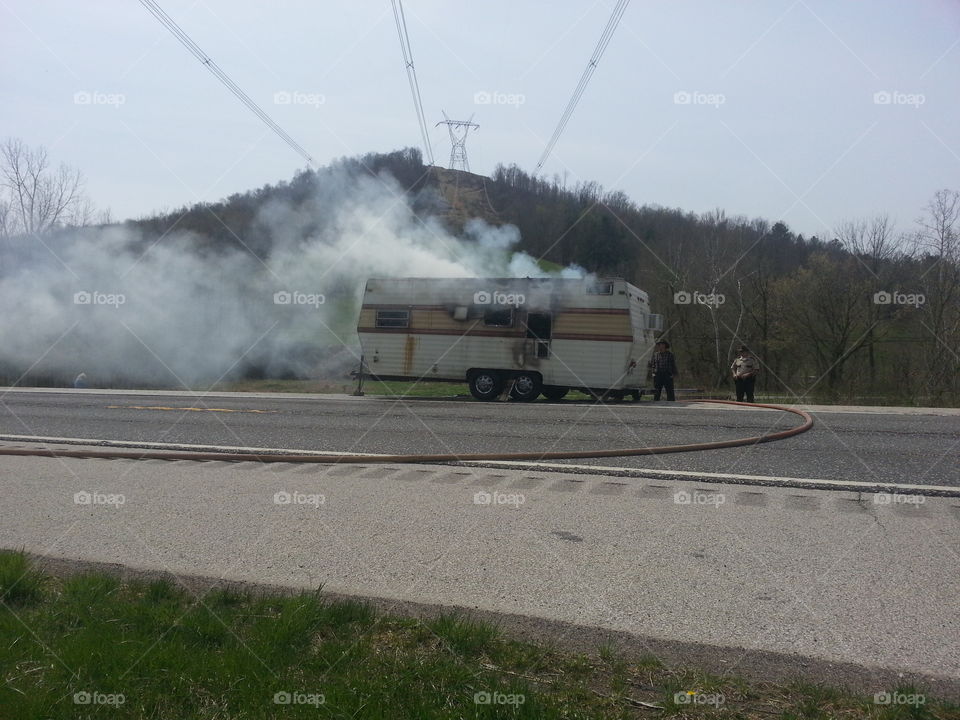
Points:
x=525 y=337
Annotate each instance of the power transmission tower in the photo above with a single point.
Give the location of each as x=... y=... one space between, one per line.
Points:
x=458 y=140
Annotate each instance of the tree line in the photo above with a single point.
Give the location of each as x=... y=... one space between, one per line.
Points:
x=870 y=314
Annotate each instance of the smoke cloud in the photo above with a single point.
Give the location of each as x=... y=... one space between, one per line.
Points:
x=127 y=309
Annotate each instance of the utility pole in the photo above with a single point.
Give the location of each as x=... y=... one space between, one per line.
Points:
x=458 y=141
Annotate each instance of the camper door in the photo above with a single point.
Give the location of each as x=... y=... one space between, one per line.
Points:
x=539 y=328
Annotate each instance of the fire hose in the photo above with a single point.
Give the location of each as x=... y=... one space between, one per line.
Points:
x=334 y=459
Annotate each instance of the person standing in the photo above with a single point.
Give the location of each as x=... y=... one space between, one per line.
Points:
x=664 y=366
x=745 y=369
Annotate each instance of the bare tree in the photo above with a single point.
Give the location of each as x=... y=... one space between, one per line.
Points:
x=938 y=242
x=36 y=196
x=825 y=317
x=873 y=243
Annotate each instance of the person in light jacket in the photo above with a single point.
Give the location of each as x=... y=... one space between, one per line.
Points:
x=745 y=369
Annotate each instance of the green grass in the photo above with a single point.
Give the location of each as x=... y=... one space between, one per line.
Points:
x=93 y=646
x=20 y=583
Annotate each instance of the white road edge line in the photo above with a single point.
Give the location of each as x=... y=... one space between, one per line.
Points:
x=685 y=404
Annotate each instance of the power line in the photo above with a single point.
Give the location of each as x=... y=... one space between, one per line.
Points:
x=605 y=38
x=195 y=50
x=412 y=76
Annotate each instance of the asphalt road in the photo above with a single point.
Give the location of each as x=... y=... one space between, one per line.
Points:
x=903 y=447
x=830 y=575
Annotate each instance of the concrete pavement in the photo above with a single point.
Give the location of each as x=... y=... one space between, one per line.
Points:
x=836 y=576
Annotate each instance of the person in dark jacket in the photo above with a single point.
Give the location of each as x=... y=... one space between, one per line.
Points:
x=664 y=366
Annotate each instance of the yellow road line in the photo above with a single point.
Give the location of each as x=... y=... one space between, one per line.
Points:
x=190 y=409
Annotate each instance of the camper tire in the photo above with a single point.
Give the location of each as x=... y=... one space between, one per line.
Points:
x=485 y=384
x=554 y=392
x=526 y=386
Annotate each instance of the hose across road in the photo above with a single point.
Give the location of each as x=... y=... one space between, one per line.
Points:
x=335 y=459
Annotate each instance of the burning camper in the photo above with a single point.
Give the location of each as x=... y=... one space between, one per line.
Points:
x=528 y=336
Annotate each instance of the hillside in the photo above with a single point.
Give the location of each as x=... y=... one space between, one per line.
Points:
x=827 y=317
x=465 y=195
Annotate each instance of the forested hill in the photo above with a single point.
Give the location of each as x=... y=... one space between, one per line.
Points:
x=872 y=312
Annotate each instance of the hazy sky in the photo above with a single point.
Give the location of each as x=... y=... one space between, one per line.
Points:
x=807 y=111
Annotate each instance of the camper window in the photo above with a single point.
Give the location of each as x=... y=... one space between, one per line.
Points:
x=393 y=318
x=498 y=318
x=601 y=287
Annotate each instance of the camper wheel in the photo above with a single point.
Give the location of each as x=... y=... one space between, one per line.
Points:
x=526 y=386
x=485 y=384
x=554 y=392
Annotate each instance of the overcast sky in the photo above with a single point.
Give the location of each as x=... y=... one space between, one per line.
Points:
x=807 y=111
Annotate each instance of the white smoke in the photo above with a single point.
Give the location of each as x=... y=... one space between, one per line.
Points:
x=125 y=309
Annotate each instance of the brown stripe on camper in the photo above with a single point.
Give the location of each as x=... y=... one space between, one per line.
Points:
x=471 y=332
x=493 y=332
x=407 y=306
x=446 y=309
x=596 y=311
x=597 y=338
x=581 y=324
